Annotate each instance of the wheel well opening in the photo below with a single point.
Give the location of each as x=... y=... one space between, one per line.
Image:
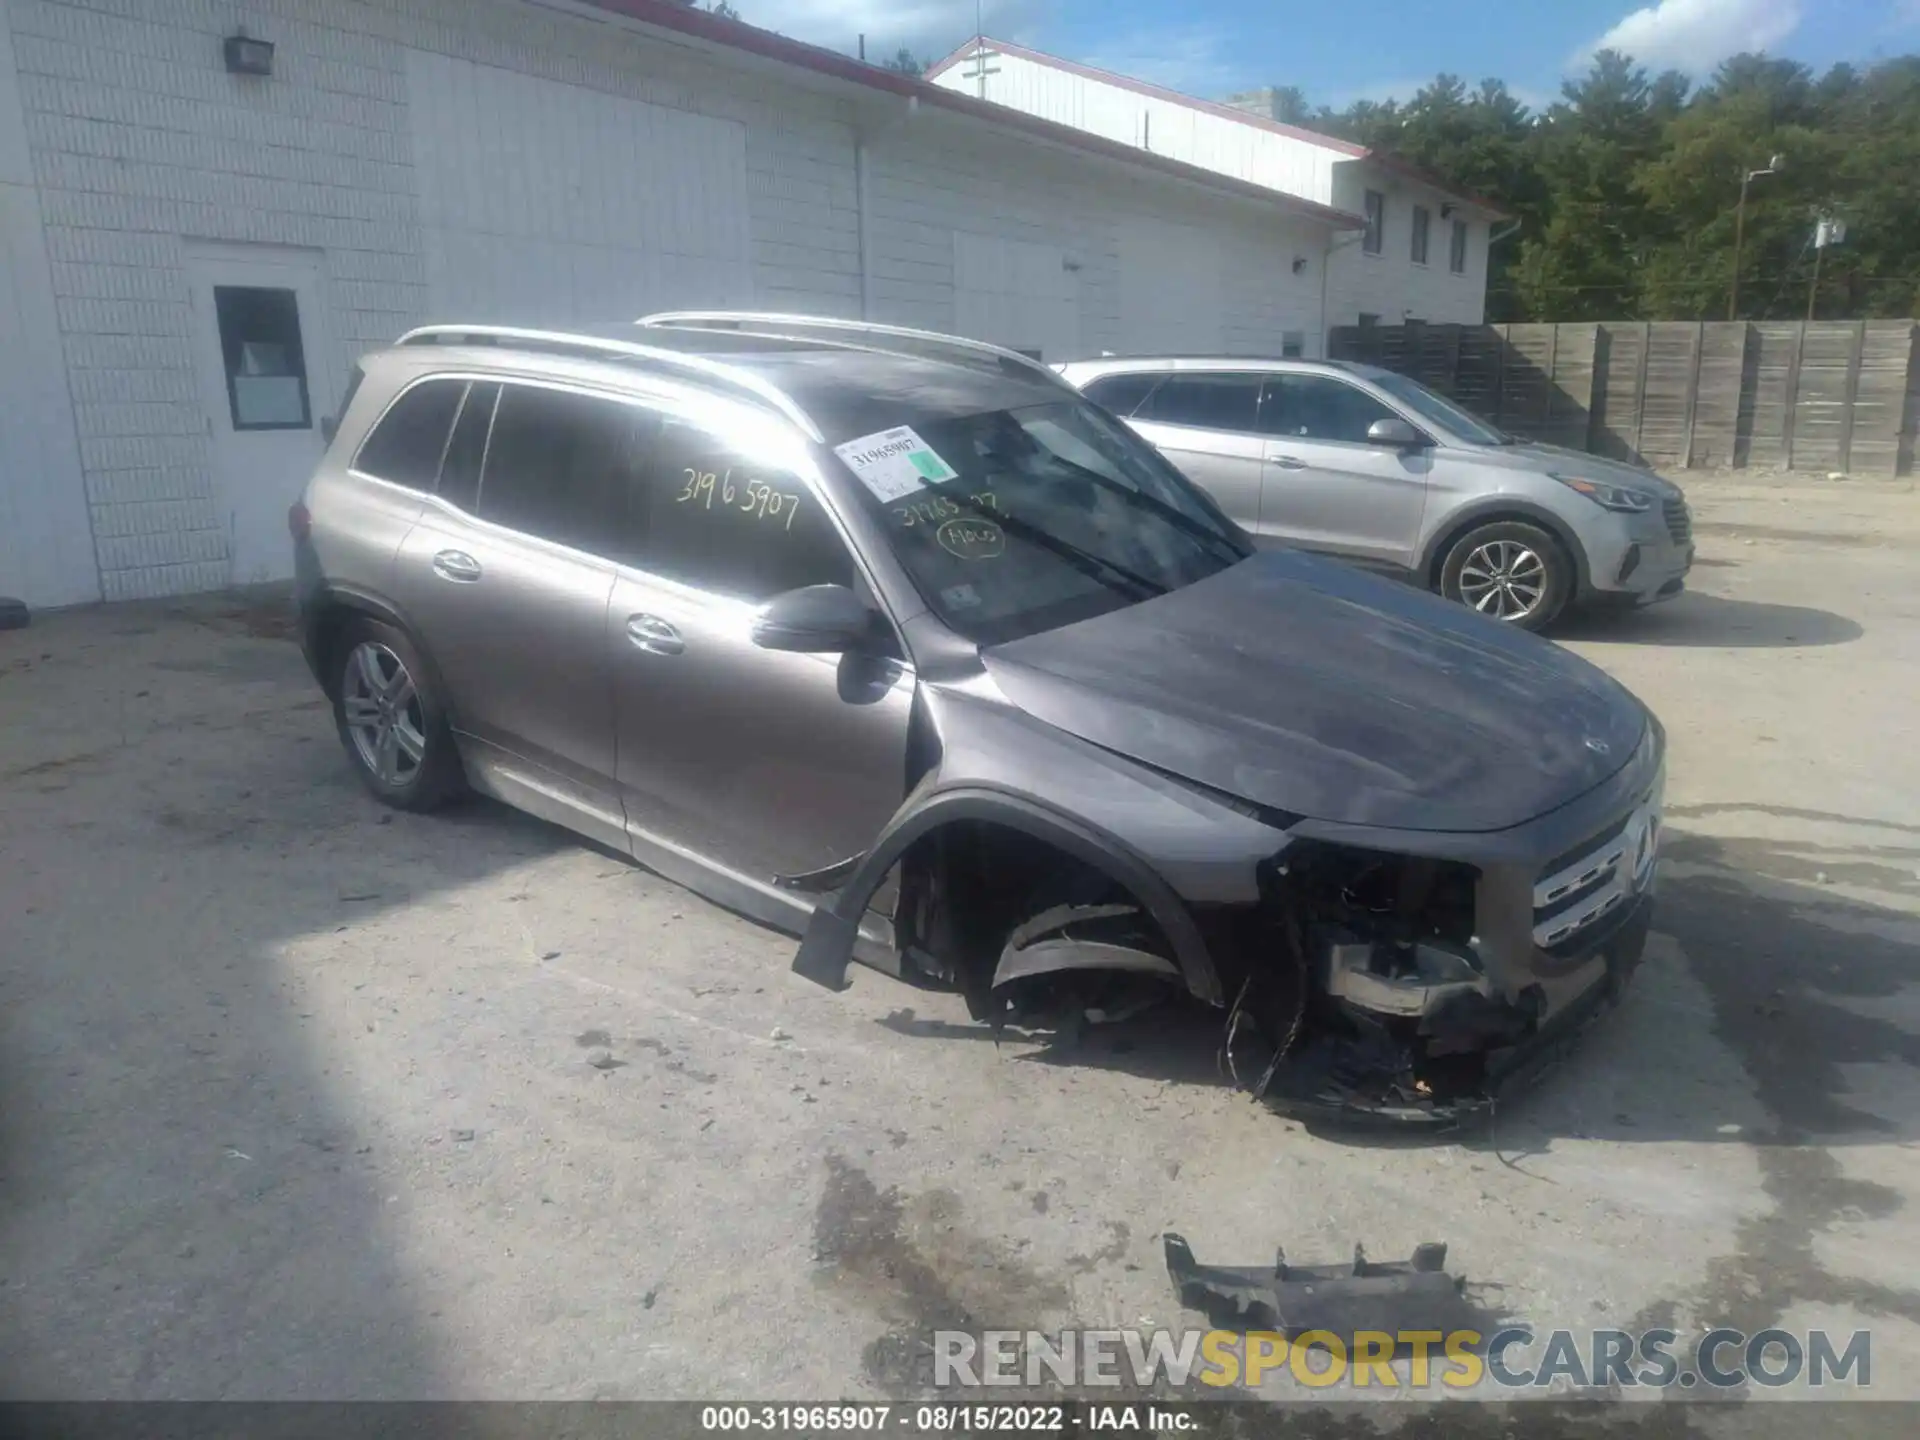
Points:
x=974 y=891
x=327 y=631
x=1437 y=562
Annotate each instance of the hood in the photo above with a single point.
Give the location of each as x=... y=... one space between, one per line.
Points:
x=1304 y=685
x=1537 y=456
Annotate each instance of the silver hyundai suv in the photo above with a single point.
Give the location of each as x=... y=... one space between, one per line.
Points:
x=897 y=642
x=1369 y=465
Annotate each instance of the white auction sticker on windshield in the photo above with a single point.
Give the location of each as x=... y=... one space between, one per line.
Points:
x=894 y=463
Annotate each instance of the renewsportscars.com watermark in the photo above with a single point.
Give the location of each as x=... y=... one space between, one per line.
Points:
x=1513 y=1358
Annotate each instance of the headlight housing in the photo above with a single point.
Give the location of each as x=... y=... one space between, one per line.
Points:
x=1608 y=496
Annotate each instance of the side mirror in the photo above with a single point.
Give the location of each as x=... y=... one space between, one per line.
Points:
x=1395 y=433
x=816 y=620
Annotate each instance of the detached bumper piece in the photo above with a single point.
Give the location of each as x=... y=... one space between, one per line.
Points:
x=1343 y=1300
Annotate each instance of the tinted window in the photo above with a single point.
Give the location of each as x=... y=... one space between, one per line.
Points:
x=1317 y=407
x=1121 y=394
x=726 y=524
x=405 y=446
x=559 y=465
x=460 y=471
x=1213 y=402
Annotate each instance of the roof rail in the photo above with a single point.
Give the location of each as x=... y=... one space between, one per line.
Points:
x=792 y=326
x=595 y=347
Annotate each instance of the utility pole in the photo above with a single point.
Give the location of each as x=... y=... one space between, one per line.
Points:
x=1773 y=167
x=1828 y=231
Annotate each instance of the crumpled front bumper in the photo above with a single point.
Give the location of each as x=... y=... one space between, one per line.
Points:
x=1325 y=1084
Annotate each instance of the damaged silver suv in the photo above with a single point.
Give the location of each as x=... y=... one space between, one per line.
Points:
x=892 y=641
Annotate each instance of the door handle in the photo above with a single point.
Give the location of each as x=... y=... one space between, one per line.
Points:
x=1288 y=462
x=456 y=565
x=654 y=635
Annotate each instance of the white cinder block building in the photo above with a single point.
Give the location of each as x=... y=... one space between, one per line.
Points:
x=1423 y=254
x=192 y=255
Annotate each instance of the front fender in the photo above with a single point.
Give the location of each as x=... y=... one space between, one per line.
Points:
x=1171 y=844
x=1504 y=506
x=827 y=947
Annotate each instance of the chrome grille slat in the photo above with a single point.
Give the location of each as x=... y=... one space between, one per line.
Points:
x=1585 y=885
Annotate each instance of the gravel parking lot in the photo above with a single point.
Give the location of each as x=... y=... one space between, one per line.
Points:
x=306 y=1099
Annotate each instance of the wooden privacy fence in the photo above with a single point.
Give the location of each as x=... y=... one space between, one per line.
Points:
x=1795 y=395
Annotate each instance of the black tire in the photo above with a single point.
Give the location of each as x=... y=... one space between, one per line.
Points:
x=406 y=708
x=1529 y=593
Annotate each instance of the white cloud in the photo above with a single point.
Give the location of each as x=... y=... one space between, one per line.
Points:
x=930 y=28
x=1194 y=62
x=1696 y=35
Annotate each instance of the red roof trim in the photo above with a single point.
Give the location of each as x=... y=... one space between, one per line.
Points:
x=1225 y=112
x=736 y=35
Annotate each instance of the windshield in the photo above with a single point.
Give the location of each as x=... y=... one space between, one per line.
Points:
x=1438 y=410
x=1046 y=515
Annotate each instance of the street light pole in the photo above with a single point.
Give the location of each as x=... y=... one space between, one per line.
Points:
x=1773 y=167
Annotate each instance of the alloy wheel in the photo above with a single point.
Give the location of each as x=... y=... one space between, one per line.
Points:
x=382 y=709
x=1504 y=579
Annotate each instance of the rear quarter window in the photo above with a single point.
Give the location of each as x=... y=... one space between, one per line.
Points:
x=1121 y=394
x=406 y=445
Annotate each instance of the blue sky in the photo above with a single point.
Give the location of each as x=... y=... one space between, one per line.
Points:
x=1339 y=52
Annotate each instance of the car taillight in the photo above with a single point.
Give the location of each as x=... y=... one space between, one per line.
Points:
x=299 y=521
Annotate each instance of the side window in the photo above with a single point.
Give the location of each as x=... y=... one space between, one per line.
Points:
x=1457 y=251
x=559 y=465
x=722 y=523
x=1421 y=225
x=1210 y=401
x=1376 y=217
x=405 y=447
x=1123 y=393
x=1318 y=407
x=460 y=471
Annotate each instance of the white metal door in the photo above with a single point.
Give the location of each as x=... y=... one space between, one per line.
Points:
x=1016 y=293
x=1169 y=289
x=545 y=203
x=266 y=368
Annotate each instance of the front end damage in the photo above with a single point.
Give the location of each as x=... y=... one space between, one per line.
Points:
x=1361 y=973
x=1357 y=984
x=1406 y=1000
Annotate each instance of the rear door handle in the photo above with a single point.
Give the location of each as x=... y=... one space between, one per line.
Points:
x=456 y=565
x=1288 y=462
x=654 y=635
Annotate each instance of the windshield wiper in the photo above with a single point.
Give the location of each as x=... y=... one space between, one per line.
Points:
x=1139 y=499
x=1086 y=561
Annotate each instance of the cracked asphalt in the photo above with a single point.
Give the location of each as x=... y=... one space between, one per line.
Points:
x=304 y=1099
